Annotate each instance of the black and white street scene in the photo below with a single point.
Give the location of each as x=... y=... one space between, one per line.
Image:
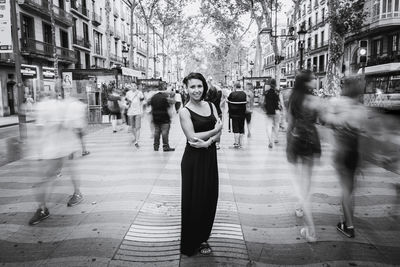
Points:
x=189 y=133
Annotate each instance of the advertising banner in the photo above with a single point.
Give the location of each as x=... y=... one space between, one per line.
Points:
x=6 y=45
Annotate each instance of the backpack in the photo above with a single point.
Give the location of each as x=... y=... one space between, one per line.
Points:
x=271 y=102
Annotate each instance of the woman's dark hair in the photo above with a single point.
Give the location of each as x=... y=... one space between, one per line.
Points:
x=197 y=76
x=299 y=91
x=352 y=87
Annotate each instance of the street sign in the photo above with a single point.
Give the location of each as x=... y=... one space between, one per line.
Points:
x=6 y=45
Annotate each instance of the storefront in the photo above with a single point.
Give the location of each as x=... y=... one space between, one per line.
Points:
x=30 y=80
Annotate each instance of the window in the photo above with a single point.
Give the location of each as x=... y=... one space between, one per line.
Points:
x=321 y=63
x=394 y=43
x=309 y=22
x=316 y=41
x=85 y=32
x=323 y=14
x=316 y=18
x=47 y=37
x=78 y=64
x=87 y=60
x=376 y=9
x=322 y=38
x=309 y=43
x=28 y=27
x=116 y=48
x=377 y=47
x=98 y=43
x=74 y=32
x=61 y=4
x=396 y=5
x=64 y=39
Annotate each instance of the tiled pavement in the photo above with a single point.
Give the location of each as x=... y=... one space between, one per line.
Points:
x=130 y=215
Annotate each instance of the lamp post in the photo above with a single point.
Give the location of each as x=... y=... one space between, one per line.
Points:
x=125 y=51
x=251 y=68
x=302 y=36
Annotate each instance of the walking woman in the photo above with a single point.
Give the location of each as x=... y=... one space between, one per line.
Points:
x=303 y=145
x=199 y=167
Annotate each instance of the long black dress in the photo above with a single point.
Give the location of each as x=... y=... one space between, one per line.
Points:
x=199 y=169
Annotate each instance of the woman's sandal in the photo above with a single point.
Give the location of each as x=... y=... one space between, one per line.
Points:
x=205 y=249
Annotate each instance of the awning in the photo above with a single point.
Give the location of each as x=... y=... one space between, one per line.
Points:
x=131 y=72
x=389 y=67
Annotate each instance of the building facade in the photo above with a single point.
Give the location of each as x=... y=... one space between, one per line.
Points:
x=88 y=34
x=312 y=16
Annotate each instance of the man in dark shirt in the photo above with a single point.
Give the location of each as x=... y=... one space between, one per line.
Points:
x=161 y=119
x=271 y=107
x=237 y=112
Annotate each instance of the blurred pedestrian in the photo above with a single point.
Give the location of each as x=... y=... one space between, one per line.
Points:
x=271 y=107
x=347 y=116
x=178 y=101
x=303 y=145
x=135 y=99
x=161 y=119
x=237 y=101
x=113 y=99
x=249 y=106
x=199 y=167
x=53 y=142
x=214 y=96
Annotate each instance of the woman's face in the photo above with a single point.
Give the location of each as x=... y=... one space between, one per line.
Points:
x=195 y=89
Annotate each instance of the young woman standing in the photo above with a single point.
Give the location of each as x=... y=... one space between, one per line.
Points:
x=199 y=167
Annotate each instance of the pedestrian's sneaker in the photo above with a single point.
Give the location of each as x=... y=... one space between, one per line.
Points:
x=168 y=149
x=342 y=227
x=156 y=148
x=85 y=153
x=137 y=145
x=305 y=233
x=75 y=200
x=270 y=145
x=39 y=216
x=276 y=141
x=236 y=145
x=299 y=212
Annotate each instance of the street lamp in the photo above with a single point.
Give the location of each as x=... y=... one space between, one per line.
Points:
x=125 y=51
x=302 y=36
x=251 y=68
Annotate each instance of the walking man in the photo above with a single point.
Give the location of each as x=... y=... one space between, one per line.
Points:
x=271 y=108
x=161 y=119
x=237 y=110
x=135 y=99
x=249 y=106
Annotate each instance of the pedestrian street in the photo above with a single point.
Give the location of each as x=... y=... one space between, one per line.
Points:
x=130 y=215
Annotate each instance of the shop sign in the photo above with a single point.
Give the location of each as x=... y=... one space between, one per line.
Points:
x=150 y=82
x=28 y=71
x=49 y=73
x=130 y=72
x=6 y=44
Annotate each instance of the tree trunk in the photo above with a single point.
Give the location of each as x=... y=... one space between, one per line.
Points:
x=163 y=52
x=258 y=56
x=53 y=39
x=131 y=50
x=335 y=51
x=147 y=49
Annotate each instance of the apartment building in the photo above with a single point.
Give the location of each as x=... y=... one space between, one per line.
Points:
x=38 y=51
x=312 y=16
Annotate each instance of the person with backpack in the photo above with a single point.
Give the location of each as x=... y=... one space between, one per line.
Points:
x=113 y=106
x=271 y=108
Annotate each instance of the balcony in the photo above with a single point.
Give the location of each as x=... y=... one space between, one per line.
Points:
x=66 y=54
x=141 y=51
x=385 y=58
x=98 y=51
x=63 y=17
x=41 y=8
x=79 y=10
x=123 y=14
x=46 y=50
x=388 y=19
x=117 y=35
x=81 y=41
x=115 y=58
x=309 y=9
x=319 y=47
x=96 y=19
x=322 y=2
